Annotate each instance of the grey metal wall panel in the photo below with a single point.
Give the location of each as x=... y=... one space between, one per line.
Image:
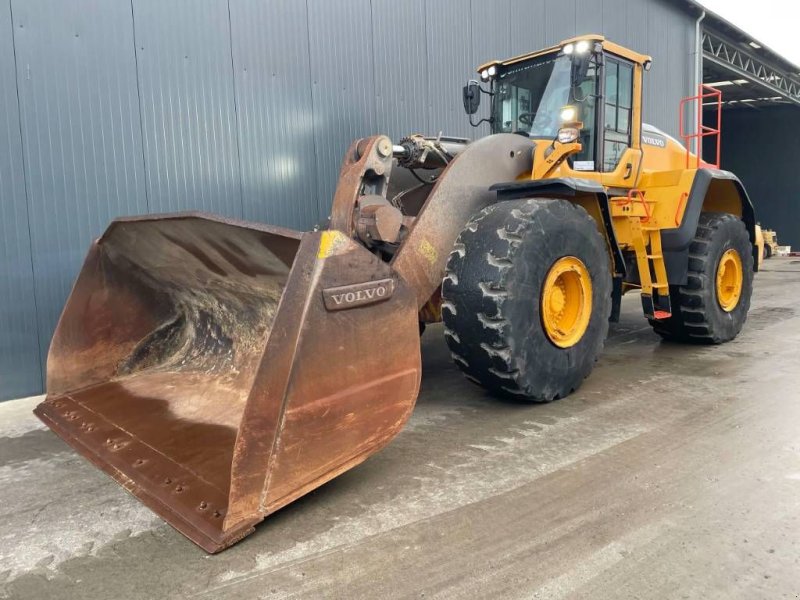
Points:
x=448 y=38
x=183 y=55
x=275 y=119
x=615 y=19
x=527 y=25
x=589 y=17
x=635 y=34
x=343 y=84
x=657 y=98
x=491 y=39
x=20 y=367
x=669 y=42
x=491 y=30
x=81 y=137
x=401 y=74
x=559 y=18
x=245 y=107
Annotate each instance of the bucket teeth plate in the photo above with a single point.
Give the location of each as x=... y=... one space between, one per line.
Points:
x=192 y=505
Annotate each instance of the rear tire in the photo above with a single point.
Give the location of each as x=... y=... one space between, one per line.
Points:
x=492 y=298
x=697 y=313
x=767 y=251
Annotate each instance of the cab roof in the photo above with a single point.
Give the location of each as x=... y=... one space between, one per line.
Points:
x=592 y=37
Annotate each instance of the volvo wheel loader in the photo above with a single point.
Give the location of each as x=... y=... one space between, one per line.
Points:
x=218 y=369
x=770 y=242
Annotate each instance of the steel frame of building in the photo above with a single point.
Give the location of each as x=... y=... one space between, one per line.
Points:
x=730 y=56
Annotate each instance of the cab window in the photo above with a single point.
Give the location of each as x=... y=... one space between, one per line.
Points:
x=618 y=111
x=584 y=98
x=529 y=98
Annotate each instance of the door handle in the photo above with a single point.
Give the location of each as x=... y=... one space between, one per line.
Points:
x=628 y=171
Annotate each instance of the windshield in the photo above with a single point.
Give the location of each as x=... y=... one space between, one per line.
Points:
x=529 y=98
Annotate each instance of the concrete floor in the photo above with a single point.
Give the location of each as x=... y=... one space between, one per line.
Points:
x=674 y=472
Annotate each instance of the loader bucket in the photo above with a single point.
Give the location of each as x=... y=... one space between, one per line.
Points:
x=218 y=369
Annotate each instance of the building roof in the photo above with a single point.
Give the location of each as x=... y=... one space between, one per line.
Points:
x=737 y=34
x=752 y=73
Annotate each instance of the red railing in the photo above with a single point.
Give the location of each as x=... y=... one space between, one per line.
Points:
x=681 y=200
x=702 y=131
x=635 y=195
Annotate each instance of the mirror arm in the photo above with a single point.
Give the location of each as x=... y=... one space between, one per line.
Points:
x=489 y=120
x=478 y=83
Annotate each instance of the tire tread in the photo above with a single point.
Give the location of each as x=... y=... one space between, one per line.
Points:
x=497 y=233
x=692 y=303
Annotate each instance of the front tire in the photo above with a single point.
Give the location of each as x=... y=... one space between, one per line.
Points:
x=712 y=307
x=527 y=297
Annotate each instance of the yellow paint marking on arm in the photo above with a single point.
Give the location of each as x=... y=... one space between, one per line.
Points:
x=428 y=251
x=331 y=243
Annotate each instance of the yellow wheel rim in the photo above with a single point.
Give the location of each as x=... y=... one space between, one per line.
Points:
x=729 y=280
x=566 y=301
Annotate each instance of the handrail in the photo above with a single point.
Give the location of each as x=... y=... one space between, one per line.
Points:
x=702 y=131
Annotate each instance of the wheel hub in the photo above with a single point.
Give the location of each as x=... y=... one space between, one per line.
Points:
x=729 y=280
x=566 y=304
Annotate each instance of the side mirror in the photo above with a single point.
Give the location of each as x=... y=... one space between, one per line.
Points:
x=472 y=97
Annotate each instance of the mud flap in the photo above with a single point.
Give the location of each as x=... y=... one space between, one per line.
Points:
x=219 y=369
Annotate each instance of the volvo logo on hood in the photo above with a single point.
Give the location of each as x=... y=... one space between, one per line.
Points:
x=654 y=139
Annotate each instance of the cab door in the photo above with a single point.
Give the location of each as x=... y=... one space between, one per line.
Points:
x=620 y=131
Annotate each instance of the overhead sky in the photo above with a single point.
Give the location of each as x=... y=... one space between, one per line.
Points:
x=773 y=22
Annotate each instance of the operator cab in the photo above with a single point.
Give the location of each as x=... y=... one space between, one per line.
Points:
x=563 y=94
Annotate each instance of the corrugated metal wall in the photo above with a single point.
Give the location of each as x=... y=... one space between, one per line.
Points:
x=767 y=170
x=241 y=107
x=81 y=141
x=20 y=364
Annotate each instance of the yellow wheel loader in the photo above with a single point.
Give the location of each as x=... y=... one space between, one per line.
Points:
x=770 y=242
x=218 y=370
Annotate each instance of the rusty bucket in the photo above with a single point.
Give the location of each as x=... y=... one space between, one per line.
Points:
x=219 y=369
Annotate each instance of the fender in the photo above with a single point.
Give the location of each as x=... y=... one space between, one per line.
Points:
x=712 y=189
x=572 y=189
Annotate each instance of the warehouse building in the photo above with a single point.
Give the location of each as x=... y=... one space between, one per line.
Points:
x=244 y=108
